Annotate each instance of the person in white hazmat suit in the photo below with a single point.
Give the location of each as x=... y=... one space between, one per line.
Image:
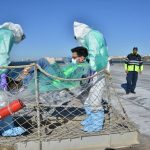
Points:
x=98 y=58
x=10 y=33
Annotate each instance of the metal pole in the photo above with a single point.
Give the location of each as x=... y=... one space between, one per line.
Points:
x=109 y=105
x=37 y=105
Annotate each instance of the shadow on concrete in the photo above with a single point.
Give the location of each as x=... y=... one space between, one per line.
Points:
x=124 y=86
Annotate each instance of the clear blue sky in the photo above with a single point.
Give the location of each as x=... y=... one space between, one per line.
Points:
x=48 y=24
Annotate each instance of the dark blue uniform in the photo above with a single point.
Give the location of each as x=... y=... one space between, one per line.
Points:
x=133 y=64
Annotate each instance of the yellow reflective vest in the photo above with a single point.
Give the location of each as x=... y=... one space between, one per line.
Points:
x=133 y=63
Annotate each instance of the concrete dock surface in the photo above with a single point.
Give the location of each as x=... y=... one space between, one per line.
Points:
x=136 y=105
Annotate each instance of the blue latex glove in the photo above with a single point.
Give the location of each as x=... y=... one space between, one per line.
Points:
x=86 y=121
x=14 y=131
x=93 y=128
x=3 y=83
x=6 y=124
x=94 y=121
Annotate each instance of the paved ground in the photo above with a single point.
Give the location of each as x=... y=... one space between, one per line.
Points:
x=136 y=105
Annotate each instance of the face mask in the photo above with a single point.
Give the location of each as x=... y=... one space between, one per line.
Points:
x=74 y=61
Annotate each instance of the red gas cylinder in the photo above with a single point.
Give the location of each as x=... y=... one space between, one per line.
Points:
x=11 y=108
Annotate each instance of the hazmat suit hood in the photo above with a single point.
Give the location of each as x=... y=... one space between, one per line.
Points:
x=15 y=28
x=80 y=30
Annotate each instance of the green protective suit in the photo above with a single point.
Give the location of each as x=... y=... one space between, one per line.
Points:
x=95 y=43
x=70 y=71
x=6 y=43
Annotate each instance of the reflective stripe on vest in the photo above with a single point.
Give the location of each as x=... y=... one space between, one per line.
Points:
x=133 y=62
x=136 y=68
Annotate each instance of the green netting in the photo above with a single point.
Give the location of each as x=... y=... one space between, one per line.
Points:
x=70 y=71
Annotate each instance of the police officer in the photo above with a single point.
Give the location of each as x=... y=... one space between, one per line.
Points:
x=133 y=65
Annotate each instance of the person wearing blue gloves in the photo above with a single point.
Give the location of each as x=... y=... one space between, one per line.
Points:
x=98 y=58
x=10 y=33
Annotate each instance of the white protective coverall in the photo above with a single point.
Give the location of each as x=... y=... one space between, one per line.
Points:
x=95 y=43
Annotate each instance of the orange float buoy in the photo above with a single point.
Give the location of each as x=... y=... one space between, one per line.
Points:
x=11 y=108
